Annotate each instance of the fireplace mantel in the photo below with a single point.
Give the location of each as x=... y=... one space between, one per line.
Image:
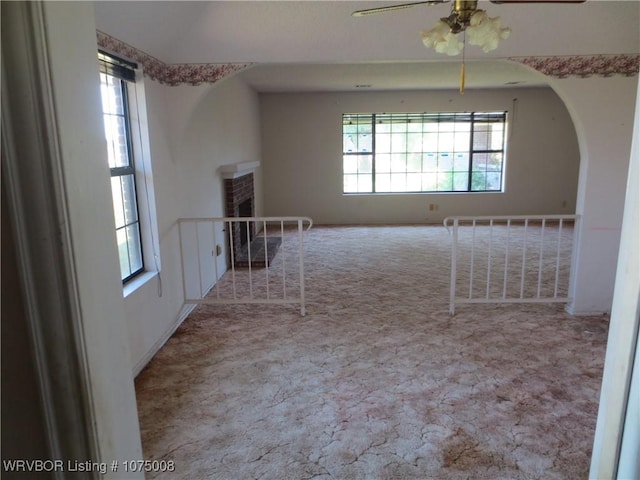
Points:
x=235 y=170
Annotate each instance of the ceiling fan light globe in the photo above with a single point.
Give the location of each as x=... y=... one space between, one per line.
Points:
x=442 y=40
x=485 y=31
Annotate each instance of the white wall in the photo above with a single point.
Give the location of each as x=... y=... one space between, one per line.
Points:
x=302 y=151
x=61 y=211
x=193 y=130
x=619 y=398
x=603 y=112
x=71 y=35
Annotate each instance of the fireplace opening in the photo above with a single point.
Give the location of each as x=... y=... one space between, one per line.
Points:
x=240 y=202
x=245 y=209
x=247 y=245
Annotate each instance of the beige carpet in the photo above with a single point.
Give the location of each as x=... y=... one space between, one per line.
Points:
x=377 y=381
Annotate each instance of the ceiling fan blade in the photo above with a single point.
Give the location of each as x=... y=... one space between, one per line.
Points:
x=369 y=11
x=536 y=1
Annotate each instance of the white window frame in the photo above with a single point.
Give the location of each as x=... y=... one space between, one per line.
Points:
x=372 y=157
x=145 y=191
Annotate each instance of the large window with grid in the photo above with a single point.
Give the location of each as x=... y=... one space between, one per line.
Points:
x=116 y=77
x=423 y=152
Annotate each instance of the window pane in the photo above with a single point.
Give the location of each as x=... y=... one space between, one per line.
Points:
x=383 y=128
x=446 y=142
x=429 y=182
x=414 y=182
x=364 y=142
x=415 y=126
x=365 y=183
x=481 y=140
x=383 y=163
x=399 y=127
x=495 y=162
x=116 y=136
x=130 y=203
x=350 y=143
x=414 y=162
x=431 y=126
x=135 y=251
x=461 y=127
x=445 y=162
x=460 y=181
x=398 y=182
x=445 y=181
x=494 y=181
x=350 y=164
x=111 y=92
x=497 y=136
x=118 y=202
x=461 y=162
x=430 y=162
x=398 y=142
x=123 y=252
x=480 y=161
x=399 y=162
x=383 y=142
x=462 y=141
x=414 y=142
x=365 y=164
x=430 y=142
x=349 y=129
x=350 y=183
x=478 y=181
x=383 y=182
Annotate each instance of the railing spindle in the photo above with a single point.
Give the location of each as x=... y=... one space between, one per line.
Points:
x=266 y=256
x=506 y=260
x=215 y=259
x=284 y=270
x=540 y=258
x=233 y=260
x=454 y=254
x=489 y=258
x=473 y=251
x=524 y=257
x=198 y=258
x=555 y=286
x=303 y=310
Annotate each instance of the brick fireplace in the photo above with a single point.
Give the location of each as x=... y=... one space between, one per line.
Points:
x=240 y=202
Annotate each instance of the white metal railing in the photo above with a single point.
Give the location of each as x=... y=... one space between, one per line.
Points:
x=510 y=259
x=267 y=268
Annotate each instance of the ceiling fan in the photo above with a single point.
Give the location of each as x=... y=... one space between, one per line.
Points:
x=465 y=17
x=477 y=27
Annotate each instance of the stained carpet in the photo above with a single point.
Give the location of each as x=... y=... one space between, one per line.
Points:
x=377 y=381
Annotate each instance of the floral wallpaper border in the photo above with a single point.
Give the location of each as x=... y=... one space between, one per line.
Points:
x=170 y=74
x=584 y=65
x=196 y=74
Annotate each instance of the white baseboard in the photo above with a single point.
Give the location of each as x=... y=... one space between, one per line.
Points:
x=569 y=309
x=184 y=313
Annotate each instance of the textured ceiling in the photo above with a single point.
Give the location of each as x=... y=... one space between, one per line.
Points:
x=314 y=45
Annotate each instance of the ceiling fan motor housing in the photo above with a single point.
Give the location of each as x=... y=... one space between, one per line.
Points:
x=461 y=13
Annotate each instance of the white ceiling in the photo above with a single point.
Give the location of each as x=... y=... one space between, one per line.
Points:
x=318 y=45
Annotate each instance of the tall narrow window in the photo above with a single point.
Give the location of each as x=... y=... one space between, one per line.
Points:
x=115 y=77
x=423 y=152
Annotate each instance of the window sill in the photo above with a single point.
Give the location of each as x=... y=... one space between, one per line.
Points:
x=137 y=283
